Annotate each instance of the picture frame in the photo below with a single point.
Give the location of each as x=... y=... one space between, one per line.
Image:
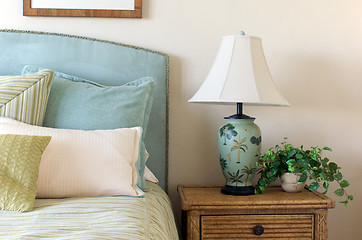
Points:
x=83 y=8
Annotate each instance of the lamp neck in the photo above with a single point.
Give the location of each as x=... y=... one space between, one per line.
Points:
x=239 y=113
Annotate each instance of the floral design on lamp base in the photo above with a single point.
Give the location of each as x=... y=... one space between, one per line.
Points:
x=239 y=147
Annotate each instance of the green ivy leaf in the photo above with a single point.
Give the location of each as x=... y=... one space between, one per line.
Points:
x=303 y=177
x=350 y=197
x=344 y=184
x=291 y=153
x=324 y=162
x=272 y=179
x=333 y=166
x=291 y=162
x=313 y=186
x=274 y=171
x=327 y=148
x=339 y=176
x=330 y=177
x=262 y=182
x=261 y=189
x=323 y=176
x=339 y=192
x=326 y=185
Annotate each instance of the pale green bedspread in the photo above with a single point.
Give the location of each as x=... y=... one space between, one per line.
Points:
x=94 y=218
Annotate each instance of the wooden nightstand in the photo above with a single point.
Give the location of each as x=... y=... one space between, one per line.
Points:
x=209 y=214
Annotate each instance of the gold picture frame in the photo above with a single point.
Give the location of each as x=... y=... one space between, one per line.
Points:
x=86 y=10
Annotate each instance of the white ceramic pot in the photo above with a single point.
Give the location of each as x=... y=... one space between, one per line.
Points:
x=290 y=182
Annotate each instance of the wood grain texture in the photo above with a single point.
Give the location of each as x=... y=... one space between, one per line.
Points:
x=29 y=11
x=209 y=214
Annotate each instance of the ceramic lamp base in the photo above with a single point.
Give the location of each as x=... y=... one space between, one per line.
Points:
x=239 y=147
x=238 y=191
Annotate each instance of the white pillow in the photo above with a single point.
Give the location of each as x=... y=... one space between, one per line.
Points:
x=80 y=163
x=148 y=175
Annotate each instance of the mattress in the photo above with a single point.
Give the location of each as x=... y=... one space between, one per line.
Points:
x=150 y=217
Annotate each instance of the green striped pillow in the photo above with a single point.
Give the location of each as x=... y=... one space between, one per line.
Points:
x=25 y=97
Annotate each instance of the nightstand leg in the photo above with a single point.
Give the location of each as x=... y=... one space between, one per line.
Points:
x=191 y=225
x=321 y=224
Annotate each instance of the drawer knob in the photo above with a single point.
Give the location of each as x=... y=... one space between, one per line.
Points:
x=258 y=230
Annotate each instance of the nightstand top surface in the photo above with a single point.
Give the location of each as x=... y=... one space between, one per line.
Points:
x=197 y=196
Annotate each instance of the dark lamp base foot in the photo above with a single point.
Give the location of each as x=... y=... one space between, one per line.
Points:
x=238 y=191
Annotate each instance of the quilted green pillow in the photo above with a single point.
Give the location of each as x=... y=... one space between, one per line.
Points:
x=20 y=157
x=24 y=98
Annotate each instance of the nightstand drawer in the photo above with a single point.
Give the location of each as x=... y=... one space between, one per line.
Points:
x=277 y=215
x=257 y=227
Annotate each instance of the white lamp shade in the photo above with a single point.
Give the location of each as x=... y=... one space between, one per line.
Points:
x=240 y=75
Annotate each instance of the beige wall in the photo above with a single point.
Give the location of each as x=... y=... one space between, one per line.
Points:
x=314 y=52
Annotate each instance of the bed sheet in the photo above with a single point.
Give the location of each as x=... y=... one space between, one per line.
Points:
x=150 y=217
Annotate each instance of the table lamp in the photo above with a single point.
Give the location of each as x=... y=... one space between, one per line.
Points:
x=239 y=75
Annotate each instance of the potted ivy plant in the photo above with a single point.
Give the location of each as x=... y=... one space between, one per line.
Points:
x=284 y=159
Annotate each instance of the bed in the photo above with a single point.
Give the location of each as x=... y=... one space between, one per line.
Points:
x=97 y=113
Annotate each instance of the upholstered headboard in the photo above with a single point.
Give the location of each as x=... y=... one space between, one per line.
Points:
x=104 y=62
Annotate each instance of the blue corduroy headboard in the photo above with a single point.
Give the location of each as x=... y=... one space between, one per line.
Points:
x=104 y=62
